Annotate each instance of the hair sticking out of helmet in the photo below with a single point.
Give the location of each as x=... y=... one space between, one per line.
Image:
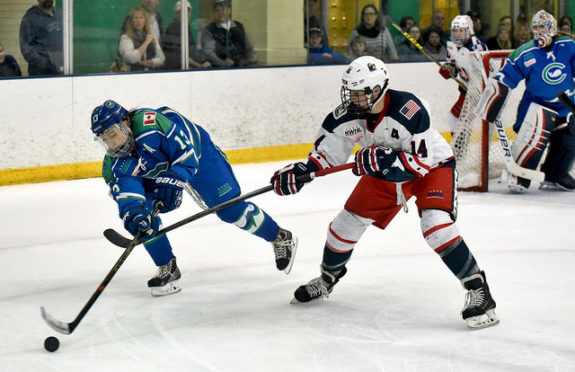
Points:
x=109 y=126
x=364 y=83
x=544 y=27
x=465 y=23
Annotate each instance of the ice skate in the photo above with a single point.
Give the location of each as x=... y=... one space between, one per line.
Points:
x=165 y=281
x=517 y=185
x=317 y=288
x=285 y=247
x=479 y=308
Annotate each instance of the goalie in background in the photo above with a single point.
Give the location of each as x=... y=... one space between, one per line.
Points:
x=401 y=156
x=457 y=66
x=547 y=63
x=151 y=156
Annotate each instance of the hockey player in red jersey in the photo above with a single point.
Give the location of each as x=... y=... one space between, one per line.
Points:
x=401 y=156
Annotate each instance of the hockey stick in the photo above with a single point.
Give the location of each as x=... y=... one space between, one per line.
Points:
x=418 y=46
x=116 y=238
x=564 y=98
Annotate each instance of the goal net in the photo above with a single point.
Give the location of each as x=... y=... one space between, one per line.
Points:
x=477 y=151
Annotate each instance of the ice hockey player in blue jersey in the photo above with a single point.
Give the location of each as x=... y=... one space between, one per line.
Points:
x=401 y=156
x=547 y=64
x=463 y=41
x=152 y=155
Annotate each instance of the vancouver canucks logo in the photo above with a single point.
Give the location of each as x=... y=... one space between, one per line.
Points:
x=553 y=73
x=109 y=104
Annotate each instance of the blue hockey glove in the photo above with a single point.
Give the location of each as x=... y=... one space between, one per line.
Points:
x=168 y=191
x=288 y=180
x=373 y=160
x=137 y=218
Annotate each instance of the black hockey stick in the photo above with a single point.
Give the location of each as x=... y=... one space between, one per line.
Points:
x=564 y=98
x=116 y=238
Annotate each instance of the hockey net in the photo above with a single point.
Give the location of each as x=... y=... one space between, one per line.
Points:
x=477 y=151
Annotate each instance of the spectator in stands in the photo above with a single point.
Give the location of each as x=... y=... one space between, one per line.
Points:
x=506 y=22
x=312 y=20
x=566 y=24
x=320 y=54
x=501 y=40
x=522 y=31
x=357 y=48
x=376 y=35
x=438 y=20
x=477 y=25
x=139 y=48
x=409 y=52
x=172 y=43
x=432 y=43
x=404 y=24
x=156 y=22
x=41 y=39
x=8 y=65
x=225 y=42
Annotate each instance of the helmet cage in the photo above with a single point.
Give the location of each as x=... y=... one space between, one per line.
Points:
x=370 y=99
x=461 y=22
x=117 y=139
x=543 y=37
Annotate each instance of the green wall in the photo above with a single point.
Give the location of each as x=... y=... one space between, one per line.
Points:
x=97 y=30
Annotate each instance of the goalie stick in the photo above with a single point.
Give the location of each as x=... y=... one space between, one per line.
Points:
x=118 y=239
x=564 y=98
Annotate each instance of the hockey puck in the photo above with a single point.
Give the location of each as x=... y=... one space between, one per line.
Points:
x=51 y=344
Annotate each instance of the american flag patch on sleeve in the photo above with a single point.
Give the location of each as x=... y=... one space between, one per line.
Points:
x=409 y=109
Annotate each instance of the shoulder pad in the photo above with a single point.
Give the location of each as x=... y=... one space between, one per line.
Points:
x=407 y=109
x=147 y=119
x=337 y=117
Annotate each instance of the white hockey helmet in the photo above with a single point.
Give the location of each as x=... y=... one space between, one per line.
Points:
x=364 y=74
x=462 y=22
x=543 y=36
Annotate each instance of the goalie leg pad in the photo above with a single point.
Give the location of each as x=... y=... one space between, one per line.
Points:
x=492 y=100
x=561 y=152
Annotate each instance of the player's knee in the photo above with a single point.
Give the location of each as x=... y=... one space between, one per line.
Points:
x=232 y=213
x=438 y=228
x=345 y=230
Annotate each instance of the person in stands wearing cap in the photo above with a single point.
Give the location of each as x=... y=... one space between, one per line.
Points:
x=172 y=43
x=225 y=42
x=320 y=54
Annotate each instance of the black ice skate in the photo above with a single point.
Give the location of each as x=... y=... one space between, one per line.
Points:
x=479 y=308
x=165 y=281
x=285 y=247
x=318 y=287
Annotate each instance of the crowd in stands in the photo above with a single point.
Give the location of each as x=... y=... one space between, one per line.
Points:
x=145 y=45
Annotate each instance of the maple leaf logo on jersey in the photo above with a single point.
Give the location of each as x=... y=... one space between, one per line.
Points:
x=409 y=109
x=149 y=118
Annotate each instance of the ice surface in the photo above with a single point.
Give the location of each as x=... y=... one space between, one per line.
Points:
x=397 y=309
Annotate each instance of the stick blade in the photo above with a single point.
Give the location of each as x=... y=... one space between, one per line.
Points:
x=57 y=325
x=530 y=174
x=116 y=238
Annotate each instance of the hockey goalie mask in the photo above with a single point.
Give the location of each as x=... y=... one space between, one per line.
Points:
x=544 y=27
x=461 y=30
x=359 y=83
x=109 y=126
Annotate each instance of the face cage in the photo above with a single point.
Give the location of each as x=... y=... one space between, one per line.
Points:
x=352 y=107
x=125 y=148
x=460 y=41
x=542 y=38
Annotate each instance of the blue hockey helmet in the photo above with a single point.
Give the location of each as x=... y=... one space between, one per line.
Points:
x=109 y=125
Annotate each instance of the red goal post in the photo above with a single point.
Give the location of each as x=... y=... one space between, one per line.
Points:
x=479 y=156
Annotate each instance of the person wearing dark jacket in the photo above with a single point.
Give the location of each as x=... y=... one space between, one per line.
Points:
x=41 y=39
x=320 y=54
x=8 y=65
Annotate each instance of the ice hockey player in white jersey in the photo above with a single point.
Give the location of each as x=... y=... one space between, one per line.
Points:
x=401 y=156
x=463 y=41
x=547 y=63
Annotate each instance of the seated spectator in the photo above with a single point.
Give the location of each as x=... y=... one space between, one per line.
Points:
x=407 y=51
x=138 y=48
x=172 y=43
x=432 y=43
x=312 y=10
x=225 y=42
x=404 y=24
x=522 y=31
x=376 y=35
x=320 y=54
x=566 y=24
x=41 y=39
x=438 y=20
x=357 y=48
x=156 y=23
x=8 y=65
x=507 y=22
x=477 y=25
x=501 y=40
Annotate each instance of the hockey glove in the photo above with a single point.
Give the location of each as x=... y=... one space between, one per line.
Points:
x=137 y=218
x=447 y=71
x=168 y=190
x=288 y=180
x=373 y=160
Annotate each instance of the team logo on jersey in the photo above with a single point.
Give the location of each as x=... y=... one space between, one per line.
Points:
x=371 y=67
x=553 y=73
x=149 y=118
x=354 y=131
x=409 y=109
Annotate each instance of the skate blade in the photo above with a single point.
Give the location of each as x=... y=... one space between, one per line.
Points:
x=290 y=264
x=294 y=301
x=168 y=289
x=488 y=319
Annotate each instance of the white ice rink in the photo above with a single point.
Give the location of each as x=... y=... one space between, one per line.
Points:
x=397 y=309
